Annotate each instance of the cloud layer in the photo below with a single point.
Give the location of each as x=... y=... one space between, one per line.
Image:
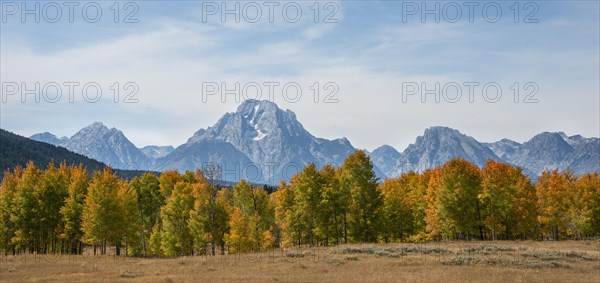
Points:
x=369 y=54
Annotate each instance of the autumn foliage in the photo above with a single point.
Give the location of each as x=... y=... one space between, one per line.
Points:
x=65 y=210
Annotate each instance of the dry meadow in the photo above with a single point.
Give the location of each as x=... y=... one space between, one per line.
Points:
x=520 y=261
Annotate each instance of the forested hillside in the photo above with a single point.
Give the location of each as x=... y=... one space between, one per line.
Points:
x=16 y=150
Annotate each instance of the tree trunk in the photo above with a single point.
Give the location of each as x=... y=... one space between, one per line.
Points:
x=479 y=221
x=337 y=230
x=345 y=228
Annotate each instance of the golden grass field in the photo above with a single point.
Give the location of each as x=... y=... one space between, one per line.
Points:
x=522 y=261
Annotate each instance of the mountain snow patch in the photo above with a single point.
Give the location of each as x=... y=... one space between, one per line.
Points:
x=260 y=136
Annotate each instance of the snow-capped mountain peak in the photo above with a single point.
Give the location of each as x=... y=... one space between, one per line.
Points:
x=270 y=138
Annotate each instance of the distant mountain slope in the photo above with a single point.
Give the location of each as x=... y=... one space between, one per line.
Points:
x=16 y=150
x=155 y=151
x=109 y=146
x=49 y=138
x=557 y=151
x=587 y=157
x=503 y=148
x=437 y=146
x=385 y=158
x=545 y=150
x=234 y=164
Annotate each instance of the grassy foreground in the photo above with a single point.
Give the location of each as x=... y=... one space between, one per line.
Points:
x=525 y=261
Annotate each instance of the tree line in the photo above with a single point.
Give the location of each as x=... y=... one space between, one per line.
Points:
x=65 y=209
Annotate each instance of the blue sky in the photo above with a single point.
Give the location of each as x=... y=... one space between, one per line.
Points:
x=369 y=53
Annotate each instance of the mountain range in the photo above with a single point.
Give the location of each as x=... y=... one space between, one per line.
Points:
x=262 y=143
